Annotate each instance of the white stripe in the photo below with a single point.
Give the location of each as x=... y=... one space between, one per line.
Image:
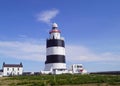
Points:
x=56 y=51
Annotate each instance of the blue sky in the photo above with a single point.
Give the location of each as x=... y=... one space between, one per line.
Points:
x=91 y=29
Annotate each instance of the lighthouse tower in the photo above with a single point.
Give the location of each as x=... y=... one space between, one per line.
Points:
x=55 y=56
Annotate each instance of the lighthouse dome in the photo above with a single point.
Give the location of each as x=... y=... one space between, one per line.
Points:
x=54 y=25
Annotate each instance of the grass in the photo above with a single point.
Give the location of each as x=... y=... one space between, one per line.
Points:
x=61 y=80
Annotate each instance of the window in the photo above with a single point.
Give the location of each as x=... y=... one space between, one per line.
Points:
x=79 y=66
x=18 y=69
x=13 y=69
x=8 y=74
x=7 y=69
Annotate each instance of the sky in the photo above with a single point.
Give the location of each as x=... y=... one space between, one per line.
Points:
x=91 y=29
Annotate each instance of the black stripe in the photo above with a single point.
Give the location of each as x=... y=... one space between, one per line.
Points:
x=55 y=42
x=55 y=59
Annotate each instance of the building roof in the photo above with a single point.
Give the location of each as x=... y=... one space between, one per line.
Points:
x=12 y=65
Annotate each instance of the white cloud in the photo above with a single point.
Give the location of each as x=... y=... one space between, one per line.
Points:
x=82 y=54
x=79 y=53
x=35 y=51
x=47 y=16
x=22 y=50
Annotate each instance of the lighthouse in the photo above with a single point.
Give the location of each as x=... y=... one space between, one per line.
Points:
x=55 y=52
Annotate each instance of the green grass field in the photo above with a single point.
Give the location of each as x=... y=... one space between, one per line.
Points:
x=61 y=80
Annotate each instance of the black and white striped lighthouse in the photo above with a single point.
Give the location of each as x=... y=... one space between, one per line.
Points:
x=55 y=55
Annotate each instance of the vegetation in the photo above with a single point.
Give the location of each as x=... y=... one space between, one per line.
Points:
x=61 y=80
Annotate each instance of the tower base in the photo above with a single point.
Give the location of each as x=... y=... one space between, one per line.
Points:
x=55 y=68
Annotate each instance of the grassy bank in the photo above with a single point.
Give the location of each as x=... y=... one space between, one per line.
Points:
x=58 y=80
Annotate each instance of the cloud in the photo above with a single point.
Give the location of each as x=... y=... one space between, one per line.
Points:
x=22 y=50
x=47 y=16
x=83 y=54
x=37 y=52
x=79 y=53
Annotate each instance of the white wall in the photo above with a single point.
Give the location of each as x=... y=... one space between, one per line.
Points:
x=57 y=71
x=51 y=66
x=78 y=68
x=12 y=71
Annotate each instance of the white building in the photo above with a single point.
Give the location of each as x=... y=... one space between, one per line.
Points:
x=77 y=68
x=12 y=69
